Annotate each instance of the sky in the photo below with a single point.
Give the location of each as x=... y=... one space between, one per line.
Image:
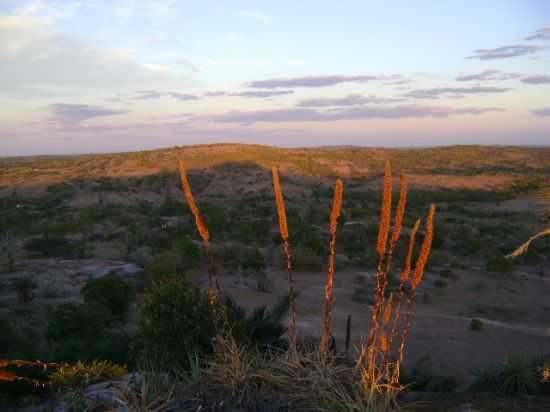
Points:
x=96 y=76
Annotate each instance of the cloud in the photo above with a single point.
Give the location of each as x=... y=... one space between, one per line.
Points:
x=312 y=115
x=250 y=93
x=350 y=100
x=454 y=92
x=153 y=94
x=315 y=81
x=544 y=112
x=76 y=113
x=35 y=59
x=157 y=11
x=536 y=79
x=256 y=16
x=505 y=52
x=487 y=75
x=541 y=34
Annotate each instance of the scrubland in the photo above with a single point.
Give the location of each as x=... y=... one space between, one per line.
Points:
x=301 y=287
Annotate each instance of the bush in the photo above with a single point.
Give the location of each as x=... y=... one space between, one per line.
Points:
x=499 y=264
x=49 y=246
x=253 y=261
x=476 y=325
x=15 y=345
x=164 y=265
x=422 y=378
x=176 y=321
x=189 y=252
x=24 y=290
x=80 y=375
x=445 y=273
x=110 y=291
x=263 y=328
x=518 y=375
x=440 y=283
x=171 y=207
x=83 y=332
x=305 y=259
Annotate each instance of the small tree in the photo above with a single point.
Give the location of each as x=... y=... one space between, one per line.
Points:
x=83 y=332
x=164 y=265
x=111 y=291
x=177 y=320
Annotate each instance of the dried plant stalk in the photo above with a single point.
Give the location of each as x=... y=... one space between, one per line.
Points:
x=348 y=334
x=405 y=274
x=280 y=200
x=199 y=222
x=381 y=275
x=400 y=214
x=329 y=289
x=388 y=311
x=415 y=281
x=396 y=232
x=385 y=218
x=213 y=285
x=525 y=246
x=425 y=251
x=283 y=229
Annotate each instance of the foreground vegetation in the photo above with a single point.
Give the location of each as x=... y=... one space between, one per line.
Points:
x=241 y=358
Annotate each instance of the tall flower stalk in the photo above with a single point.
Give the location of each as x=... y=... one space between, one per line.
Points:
x=329 y=289
x=283 y=230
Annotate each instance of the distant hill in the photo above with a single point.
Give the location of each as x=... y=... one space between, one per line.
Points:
x=350 y=162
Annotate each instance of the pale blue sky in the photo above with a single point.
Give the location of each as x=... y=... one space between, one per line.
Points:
x=109 y=75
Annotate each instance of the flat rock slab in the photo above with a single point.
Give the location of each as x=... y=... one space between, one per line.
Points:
x=64 y=278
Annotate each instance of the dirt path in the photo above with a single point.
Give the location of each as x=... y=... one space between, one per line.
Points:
x=520 y=328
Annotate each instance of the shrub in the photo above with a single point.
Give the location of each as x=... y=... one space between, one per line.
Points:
x=164 y=265
x=306 y=259
x=83 y=332
x=110 y=291
x=176 y=320
x=80 y=375
x=15 y=345
x=231 y=257
x=446 y=273
x=49 y=246
x=253 y=261
x=189 y=252
x=171 y=207
x=261 y=329
x=476 y=325
x=499 y=264
x=440 y=283
x=518 y=375
x=24 y=290
x=422 y=378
